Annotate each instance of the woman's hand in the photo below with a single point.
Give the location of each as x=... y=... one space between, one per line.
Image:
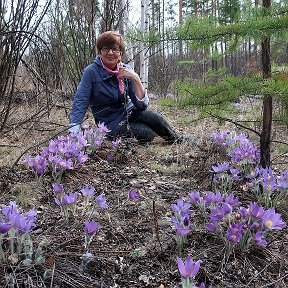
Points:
x=126 y=73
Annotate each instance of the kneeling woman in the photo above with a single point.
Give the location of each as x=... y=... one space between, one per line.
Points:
x=116 y=96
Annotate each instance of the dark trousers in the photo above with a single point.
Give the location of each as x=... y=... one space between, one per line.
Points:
x=146 y=125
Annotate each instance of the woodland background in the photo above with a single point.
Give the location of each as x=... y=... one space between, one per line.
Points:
x=229 y=48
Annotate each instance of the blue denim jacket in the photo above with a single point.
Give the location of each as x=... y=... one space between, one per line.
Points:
x=100 y=90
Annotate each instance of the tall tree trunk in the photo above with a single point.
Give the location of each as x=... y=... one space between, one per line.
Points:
x=195 y=7
x=123 y=17
x=152 y=27
x=180 y=22
x=265 y=138
x=144 y=59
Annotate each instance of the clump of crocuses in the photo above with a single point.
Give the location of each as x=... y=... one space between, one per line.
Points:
x=234 y=223
x=242 y=152
x=268 y=186
x=67 y=152
x=188 y=269
x=95 y=137
x=221 y=210
x=15 y=228
x=116 y=147
x=70 y=201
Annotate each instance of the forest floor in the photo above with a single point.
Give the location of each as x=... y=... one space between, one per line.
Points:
x=135 y=246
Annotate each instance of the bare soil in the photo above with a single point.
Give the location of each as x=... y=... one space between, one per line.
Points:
x=135 y=246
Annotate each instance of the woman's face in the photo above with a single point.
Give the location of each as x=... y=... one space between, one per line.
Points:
x=110 y=56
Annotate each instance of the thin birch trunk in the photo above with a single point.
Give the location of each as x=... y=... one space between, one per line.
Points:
x=144 y=59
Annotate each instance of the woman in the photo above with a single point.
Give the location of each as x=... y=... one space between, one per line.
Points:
x=116 y=96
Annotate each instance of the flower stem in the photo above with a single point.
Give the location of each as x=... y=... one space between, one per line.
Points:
x=2 y=254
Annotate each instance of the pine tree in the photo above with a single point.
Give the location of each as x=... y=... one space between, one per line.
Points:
x=234 y=28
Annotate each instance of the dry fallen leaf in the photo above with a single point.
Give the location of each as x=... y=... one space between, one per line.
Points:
x=144 y=278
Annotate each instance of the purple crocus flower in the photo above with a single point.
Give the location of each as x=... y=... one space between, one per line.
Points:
x=116 y=143
x=23 y=224
x=4 y=227
x=69 y=199
x=235 y=174
x=282 y=181
x=102 y=128
x=182 y=208
x=212 y=226
x=234 y=232
x=183 y=226
x=98 y=140
x=269 y=186
x=88 y=191
x=181 y=230
x=242 y=138
x=216 y=214
x=255 y=210
x=272 y=220
x=257 y=225
x=40 y=164
x=188 y=268
x=81 y=140
x=102 y=201
x=31 y=215
x=82 y=157
x=91 y=227
x=10 y=211
x=220 y=167
x=109 y=157
x=243 y=212
x=218 y=198
x=246 y=153
x=209 y=197
x=28 y=160
x=267 y=174
x=62 y=148
x=231 y=200
x=253 y=174
x=133 y=194
x=267 y=179
x=194 y=197
x=57 y=188
x=66 y=164
x=221 y=138
x=227 y=209
x=72 y=150
x=259 y=238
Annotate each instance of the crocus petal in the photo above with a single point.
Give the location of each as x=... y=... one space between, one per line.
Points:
x=181 y=267
x=192 y=267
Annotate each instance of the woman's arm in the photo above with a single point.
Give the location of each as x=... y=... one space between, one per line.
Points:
x=81 y=101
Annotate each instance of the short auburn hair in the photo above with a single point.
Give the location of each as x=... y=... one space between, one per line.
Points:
x=110 y=38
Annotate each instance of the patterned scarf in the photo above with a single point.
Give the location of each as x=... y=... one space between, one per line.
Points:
x=115 y=72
